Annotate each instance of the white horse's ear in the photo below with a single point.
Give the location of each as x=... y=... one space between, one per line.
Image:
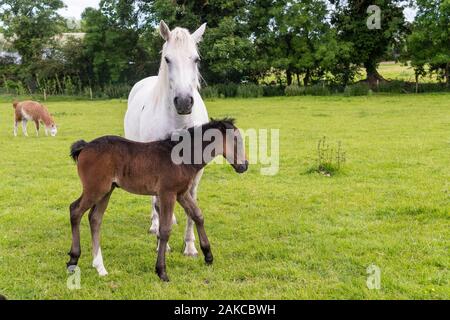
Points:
x=164 y=30
x=197 y=35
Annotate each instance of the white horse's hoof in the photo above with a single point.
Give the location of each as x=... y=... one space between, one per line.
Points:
x=153 y=228
x=102 y=272
x=190 y=250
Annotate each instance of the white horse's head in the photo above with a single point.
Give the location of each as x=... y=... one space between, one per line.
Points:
x=179 y=65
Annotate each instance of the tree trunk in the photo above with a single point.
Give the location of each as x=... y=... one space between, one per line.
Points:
x=447 y=75
x=417 y=82
x=307 y=77
x=373 y=77
x=289 y=77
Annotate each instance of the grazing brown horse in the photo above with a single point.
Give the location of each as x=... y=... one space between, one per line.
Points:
x=152 y=168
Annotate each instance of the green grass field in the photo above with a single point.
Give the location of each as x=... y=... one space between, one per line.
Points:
x=295 y=235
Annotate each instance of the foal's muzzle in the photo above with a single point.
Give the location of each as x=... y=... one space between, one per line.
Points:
x=241 y=168
x=183 y=104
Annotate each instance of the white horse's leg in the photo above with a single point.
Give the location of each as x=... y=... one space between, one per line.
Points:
x=24 y=127
x=189 y=236
x=155 y=216
x=154 y=228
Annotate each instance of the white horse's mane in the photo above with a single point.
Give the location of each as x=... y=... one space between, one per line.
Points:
x=181 y=41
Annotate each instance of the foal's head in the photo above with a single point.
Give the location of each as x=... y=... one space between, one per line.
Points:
x=233 y=145
x=179 y=64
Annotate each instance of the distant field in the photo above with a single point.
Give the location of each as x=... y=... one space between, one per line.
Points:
x=389 y=70
x=398 y=71
x=295 y=235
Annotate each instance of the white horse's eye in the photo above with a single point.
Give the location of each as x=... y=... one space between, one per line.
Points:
x=167 y=60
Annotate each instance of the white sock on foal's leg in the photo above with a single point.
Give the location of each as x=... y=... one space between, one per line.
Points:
x=97 y=263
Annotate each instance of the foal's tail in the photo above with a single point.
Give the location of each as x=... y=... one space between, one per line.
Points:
x=76 y=148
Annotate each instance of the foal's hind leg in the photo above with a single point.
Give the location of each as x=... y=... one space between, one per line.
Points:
x=77 y=209
x=167 y=206
x=95 y=222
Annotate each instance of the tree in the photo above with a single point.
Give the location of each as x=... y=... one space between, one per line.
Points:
x=30 y=26
x=368 y=45
x=429 y=42
x=226 y=48
x=112 y=41
x=293 y=36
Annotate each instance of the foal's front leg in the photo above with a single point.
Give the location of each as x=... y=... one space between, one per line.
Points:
x=167 y=203
x=189 y=237
x=191 y=208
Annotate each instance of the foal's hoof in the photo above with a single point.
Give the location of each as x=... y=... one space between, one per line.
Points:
x=209 y=259
x=162 y=274
x=71 y=268
x=164 y=277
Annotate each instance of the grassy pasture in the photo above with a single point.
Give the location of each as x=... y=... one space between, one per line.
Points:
x=295 y=235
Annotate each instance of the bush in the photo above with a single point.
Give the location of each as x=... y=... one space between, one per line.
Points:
x=209 y=92
x=114 y=91
x=433 y=87
x=330 y=159
x=227 y=90
x=294 y=90
x=249 y=90
x=394 y=86
x=273 y=91
x=358 y=89
x=317 y=90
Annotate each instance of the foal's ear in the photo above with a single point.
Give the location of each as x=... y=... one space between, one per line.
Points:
x=164 y=30
x=197 y=35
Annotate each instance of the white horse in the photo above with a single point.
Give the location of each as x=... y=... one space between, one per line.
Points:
x=170 y=101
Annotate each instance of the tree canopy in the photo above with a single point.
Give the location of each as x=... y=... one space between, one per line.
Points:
x=288 y=41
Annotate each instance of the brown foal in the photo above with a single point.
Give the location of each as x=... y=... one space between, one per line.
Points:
x=149 y=169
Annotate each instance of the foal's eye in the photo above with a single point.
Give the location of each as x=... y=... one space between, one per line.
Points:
x=167 y=60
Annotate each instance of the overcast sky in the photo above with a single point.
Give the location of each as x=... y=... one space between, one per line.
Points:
x=76 y=7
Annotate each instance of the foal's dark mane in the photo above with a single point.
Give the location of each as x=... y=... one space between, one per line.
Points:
x=220 y=124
